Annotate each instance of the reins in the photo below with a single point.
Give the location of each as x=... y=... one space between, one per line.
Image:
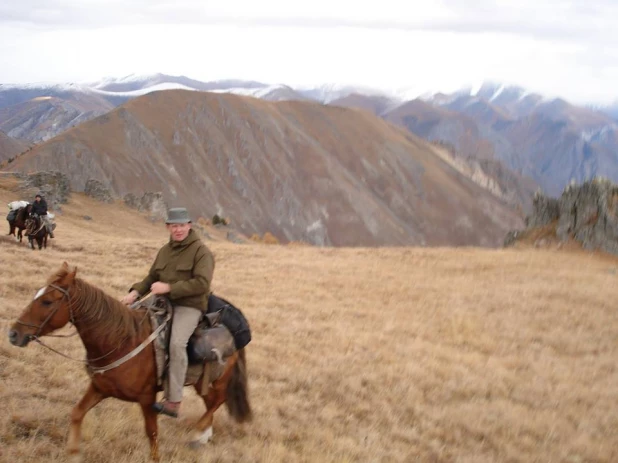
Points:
x=93 y=369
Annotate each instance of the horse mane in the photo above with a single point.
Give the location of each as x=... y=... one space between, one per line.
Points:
x=108 y=319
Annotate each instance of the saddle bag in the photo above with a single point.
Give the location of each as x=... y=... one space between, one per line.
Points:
x=210 y=344
x=232 y=318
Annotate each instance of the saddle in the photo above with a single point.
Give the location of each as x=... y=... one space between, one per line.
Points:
x=221 y=331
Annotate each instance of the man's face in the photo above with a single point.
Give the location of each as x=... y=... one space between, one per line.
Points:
x=178 y=231
x=37 y=199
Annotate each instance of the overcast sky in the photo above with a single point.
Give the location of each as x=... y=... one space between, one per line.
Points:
x=557 y=48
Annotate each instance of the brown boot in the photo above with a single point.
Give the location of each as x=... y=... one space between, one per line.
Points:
x=167 y=408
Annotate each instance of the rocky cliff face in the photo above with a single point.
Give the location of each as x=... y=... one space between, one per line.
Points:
x=586 y=213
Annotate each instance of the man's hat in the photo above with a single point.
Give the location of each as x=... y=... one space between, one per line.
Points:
x=178 y=215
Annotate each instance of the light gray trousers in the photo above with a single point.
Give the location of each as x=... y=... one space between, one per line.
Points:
x=184 y=322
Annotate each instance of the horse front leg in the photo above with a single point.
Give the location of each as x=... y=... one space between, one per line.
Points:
x=150 y=420
x=89 y=400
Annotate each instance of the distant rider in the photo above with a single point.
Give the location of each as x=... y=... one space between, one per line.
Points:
x=39 y=207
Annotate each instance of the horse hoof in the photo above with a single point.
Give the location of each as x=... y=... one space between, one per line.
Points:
x=201 y=438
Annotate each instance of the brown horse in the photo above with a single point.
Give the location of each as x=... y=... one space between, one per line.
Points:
x=110 y=331
x=19 y=222
x=36 y=231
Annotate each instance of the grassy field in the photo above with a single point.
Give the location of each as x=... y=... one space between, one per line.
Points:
x=372 y=355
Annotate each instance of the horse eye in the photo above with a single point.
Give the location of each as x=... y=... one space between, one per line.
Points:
x=46 y=302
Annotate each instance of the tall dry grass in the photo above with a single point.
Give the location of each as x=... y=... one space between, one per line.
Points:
x=401 y=354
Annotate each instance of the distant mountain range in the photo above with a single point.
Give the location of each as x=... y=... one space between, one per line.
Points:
x=301 y=170
x=507 y=129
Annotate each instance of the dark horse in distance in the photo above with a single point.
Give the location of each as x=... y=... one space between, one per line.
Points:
x=17 y=221
x=115 y=338
x=36 y=231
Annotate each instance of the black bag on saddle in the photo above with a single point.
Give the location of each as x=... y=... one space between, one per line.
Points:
x=222 y=331
x=11 y=215
x=232 y=318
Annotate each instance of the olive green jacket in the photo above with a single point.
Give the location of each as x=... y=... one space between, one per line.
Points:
x=187 y=266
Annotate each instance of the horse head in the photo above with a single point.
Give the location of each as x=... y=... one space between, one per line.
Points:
x=48 y=311
x=31 y=224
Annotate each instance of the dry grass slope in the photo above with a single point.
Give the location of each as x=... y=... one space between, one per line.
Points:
x=392 y=354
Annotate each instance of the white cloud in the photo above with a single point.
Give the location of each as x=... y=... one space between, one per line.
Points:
x=556 y=48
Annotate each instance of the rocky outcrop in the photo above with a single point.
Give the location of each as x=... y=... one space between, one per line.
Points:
x=589 y=214
x=151 y=203
x=545 y=210
x=97 y=190
x=586 y=213
x=53 y=185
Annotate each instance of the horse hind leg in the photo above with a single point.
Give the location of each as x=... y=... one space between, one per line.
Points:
x=89 y=400
x=214 y=398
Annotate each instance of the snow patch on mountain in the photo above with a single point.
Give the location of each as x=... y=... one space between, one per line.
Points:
x=144 y=91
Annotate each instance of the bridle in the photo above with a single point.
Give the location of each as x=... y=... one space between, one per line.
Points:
x=40 y=327
x=93 y=370
x=36 y=221
x=36 y=337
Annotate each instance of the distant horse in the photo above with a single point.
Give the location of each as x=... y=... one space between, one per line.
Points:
x=36 y=230
x=19 y=222
x=111 y=332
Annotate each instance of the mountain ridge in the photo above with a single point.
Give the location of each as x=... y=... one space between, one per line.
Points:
x=290 y=168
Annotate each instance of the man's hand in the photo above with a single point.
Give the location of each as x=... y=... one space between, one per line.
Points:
x=160 y=288
x=130 y=298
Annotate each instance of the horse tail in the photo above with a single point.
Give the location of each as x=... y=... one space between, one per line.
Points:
x=237 y=394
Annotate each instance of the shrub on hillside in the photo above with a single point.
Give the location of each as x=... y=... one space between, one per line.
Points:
x=218 y=220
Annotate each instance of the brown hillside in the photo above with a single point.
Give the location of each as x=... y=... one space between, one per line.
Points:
x=300 y=170
x=438 y=124
x=10 y=147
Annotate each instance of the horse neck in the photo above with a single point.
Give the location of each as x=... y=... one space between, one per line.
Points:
x=104 y=324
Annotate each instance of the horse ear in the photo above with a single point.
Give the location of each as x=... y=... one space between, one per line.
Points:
x=65 y=266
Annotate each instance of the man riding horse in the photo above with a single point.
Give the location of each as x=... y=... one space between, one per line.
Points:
x=39 y=207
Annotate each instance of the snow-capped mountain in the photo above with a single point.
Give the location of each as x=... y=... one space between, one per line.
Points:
x=547 y=138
